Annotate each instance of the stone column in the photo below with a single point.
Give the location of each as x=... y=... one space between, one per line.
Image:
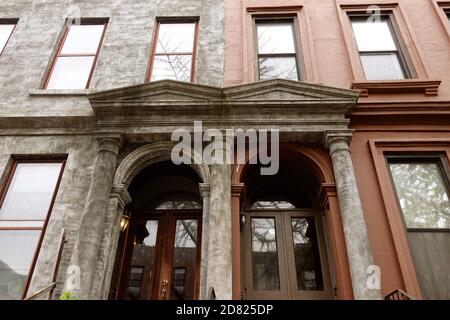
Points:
x=219 y=242
x=355 y=229
x=236 y=194
x=87 y=244
x=205 y=194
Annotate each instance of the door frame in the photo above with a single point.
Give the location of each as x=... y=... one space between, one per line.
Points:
x=163 y=250
x=285 y=243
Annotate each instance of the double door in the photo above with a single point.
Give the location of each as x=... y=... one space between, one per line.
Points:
x=285 y=256
x=162 y=256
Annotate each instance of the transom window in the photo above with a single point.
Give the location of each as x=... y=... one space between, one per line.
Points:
x=24 y=208
x=6 y=29
x=276 y=49
x=75 y=60
x=174 y=51
x=379 y=48
x=423 y=194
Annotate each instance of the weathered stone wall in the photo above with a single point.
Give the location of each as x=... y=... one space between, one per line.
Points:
x=123 y=61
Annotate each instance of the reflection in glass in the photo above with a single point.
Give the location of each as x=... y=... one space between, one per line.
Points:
x=174 y=67
x=275 y=38
x=306 y=254
x=5 y=33
x=30 y=191
x=276 y=50
x=17 y=248
x=184 y=260
x=422 y=194
x=71 y=73
x=278 y=68
x=271 y=205
x=175 y=38
x=264 y=254
x=373 y=36
x=179 y=205
x=82 y=39
x=382 y=66
x=141 y=273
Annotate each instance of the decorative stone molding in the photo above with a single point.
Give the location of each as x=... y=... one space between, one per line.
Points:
x=205 y=189
x=150 y=154
x=338 y=140
x=121 y=193
x=110 y=143
x=427 y=87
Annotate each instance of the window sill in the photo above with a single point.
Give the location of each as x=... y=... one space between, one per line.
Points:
x=427 y=87
x=60 y=93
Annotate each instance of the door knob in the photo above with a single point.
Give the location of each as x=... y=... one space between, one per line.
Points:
x=165 y=282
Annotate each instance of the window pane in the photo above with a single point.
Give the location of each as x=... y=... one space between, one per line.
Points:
x=71 y=73
x=30 y=192
x=264 y=254
x=373 y=36
x=82 y=39
x=306 y=254
x=272 y=205
x=384 y=66
x=174 y=67
x=17 y=249
x=422 y=195
x=175 y=37
x=275 y=38
x=5 y=32
x=278 y=68
x=184 y=260
x=140 y=279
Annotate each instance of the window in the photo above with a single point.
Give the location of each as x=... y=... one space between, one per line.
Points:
x=6 y=29
x=276 y=49
x=423 y=193
x=174 y=51
x=75 y=60
x=447 y=13
x=379 y=49
x=25 y=204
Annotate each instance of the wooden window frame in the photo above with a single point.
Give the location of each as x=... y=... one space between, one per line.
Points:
x=8 y=21
x=379 y=148
x=60 y=44
x=420 y=81
x=405 y=64
x=174 y=20
x=10 y=171
x=292 y=20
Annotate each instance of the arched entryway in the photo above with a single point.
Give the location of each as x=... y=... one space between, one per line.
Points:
x=291 y=242
x=159 y=253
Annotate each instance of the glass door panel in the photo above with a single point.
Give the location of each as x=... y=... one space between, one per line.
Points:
x=140 y=279
x=184 y=264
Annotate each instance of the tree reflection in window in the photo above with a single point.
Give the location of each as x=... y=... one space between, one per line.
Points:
x=264 y=254
x=179 y=205
x=422 y=194
x=271 y=205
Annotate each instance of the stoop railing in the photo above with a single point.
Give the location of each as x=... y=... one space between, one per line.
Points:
x=398 y=295
x=51 y=287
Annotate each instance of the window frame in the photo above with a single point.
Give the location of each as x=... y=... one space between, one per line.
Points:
x=5 y=184
x=291 y=19
x=11 y=22
x=444 y=171
x=60 y=45
x=193 y=54
x=442 y=9
x=401 y=51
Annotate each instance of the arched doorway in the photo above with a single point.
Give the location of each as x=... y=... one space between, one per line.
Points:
x=159 y=253
x=284 y=254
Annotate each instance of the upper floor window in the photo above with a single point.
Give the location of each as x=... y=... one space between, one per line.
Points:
x=423 y=194
x=6 y=29
x=379 y=48
x=75 y=60
x=276 y=49
x=174 y=50
x=447 y=13
x=25 y=203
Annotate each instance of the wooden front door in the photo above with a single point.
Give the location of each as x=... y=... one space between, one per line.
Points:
x=162 y=256
x=285 y=256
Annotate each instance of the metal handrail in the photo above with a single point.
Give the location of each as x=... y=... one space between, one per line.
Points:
x=51 y=287
x=398 y=294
